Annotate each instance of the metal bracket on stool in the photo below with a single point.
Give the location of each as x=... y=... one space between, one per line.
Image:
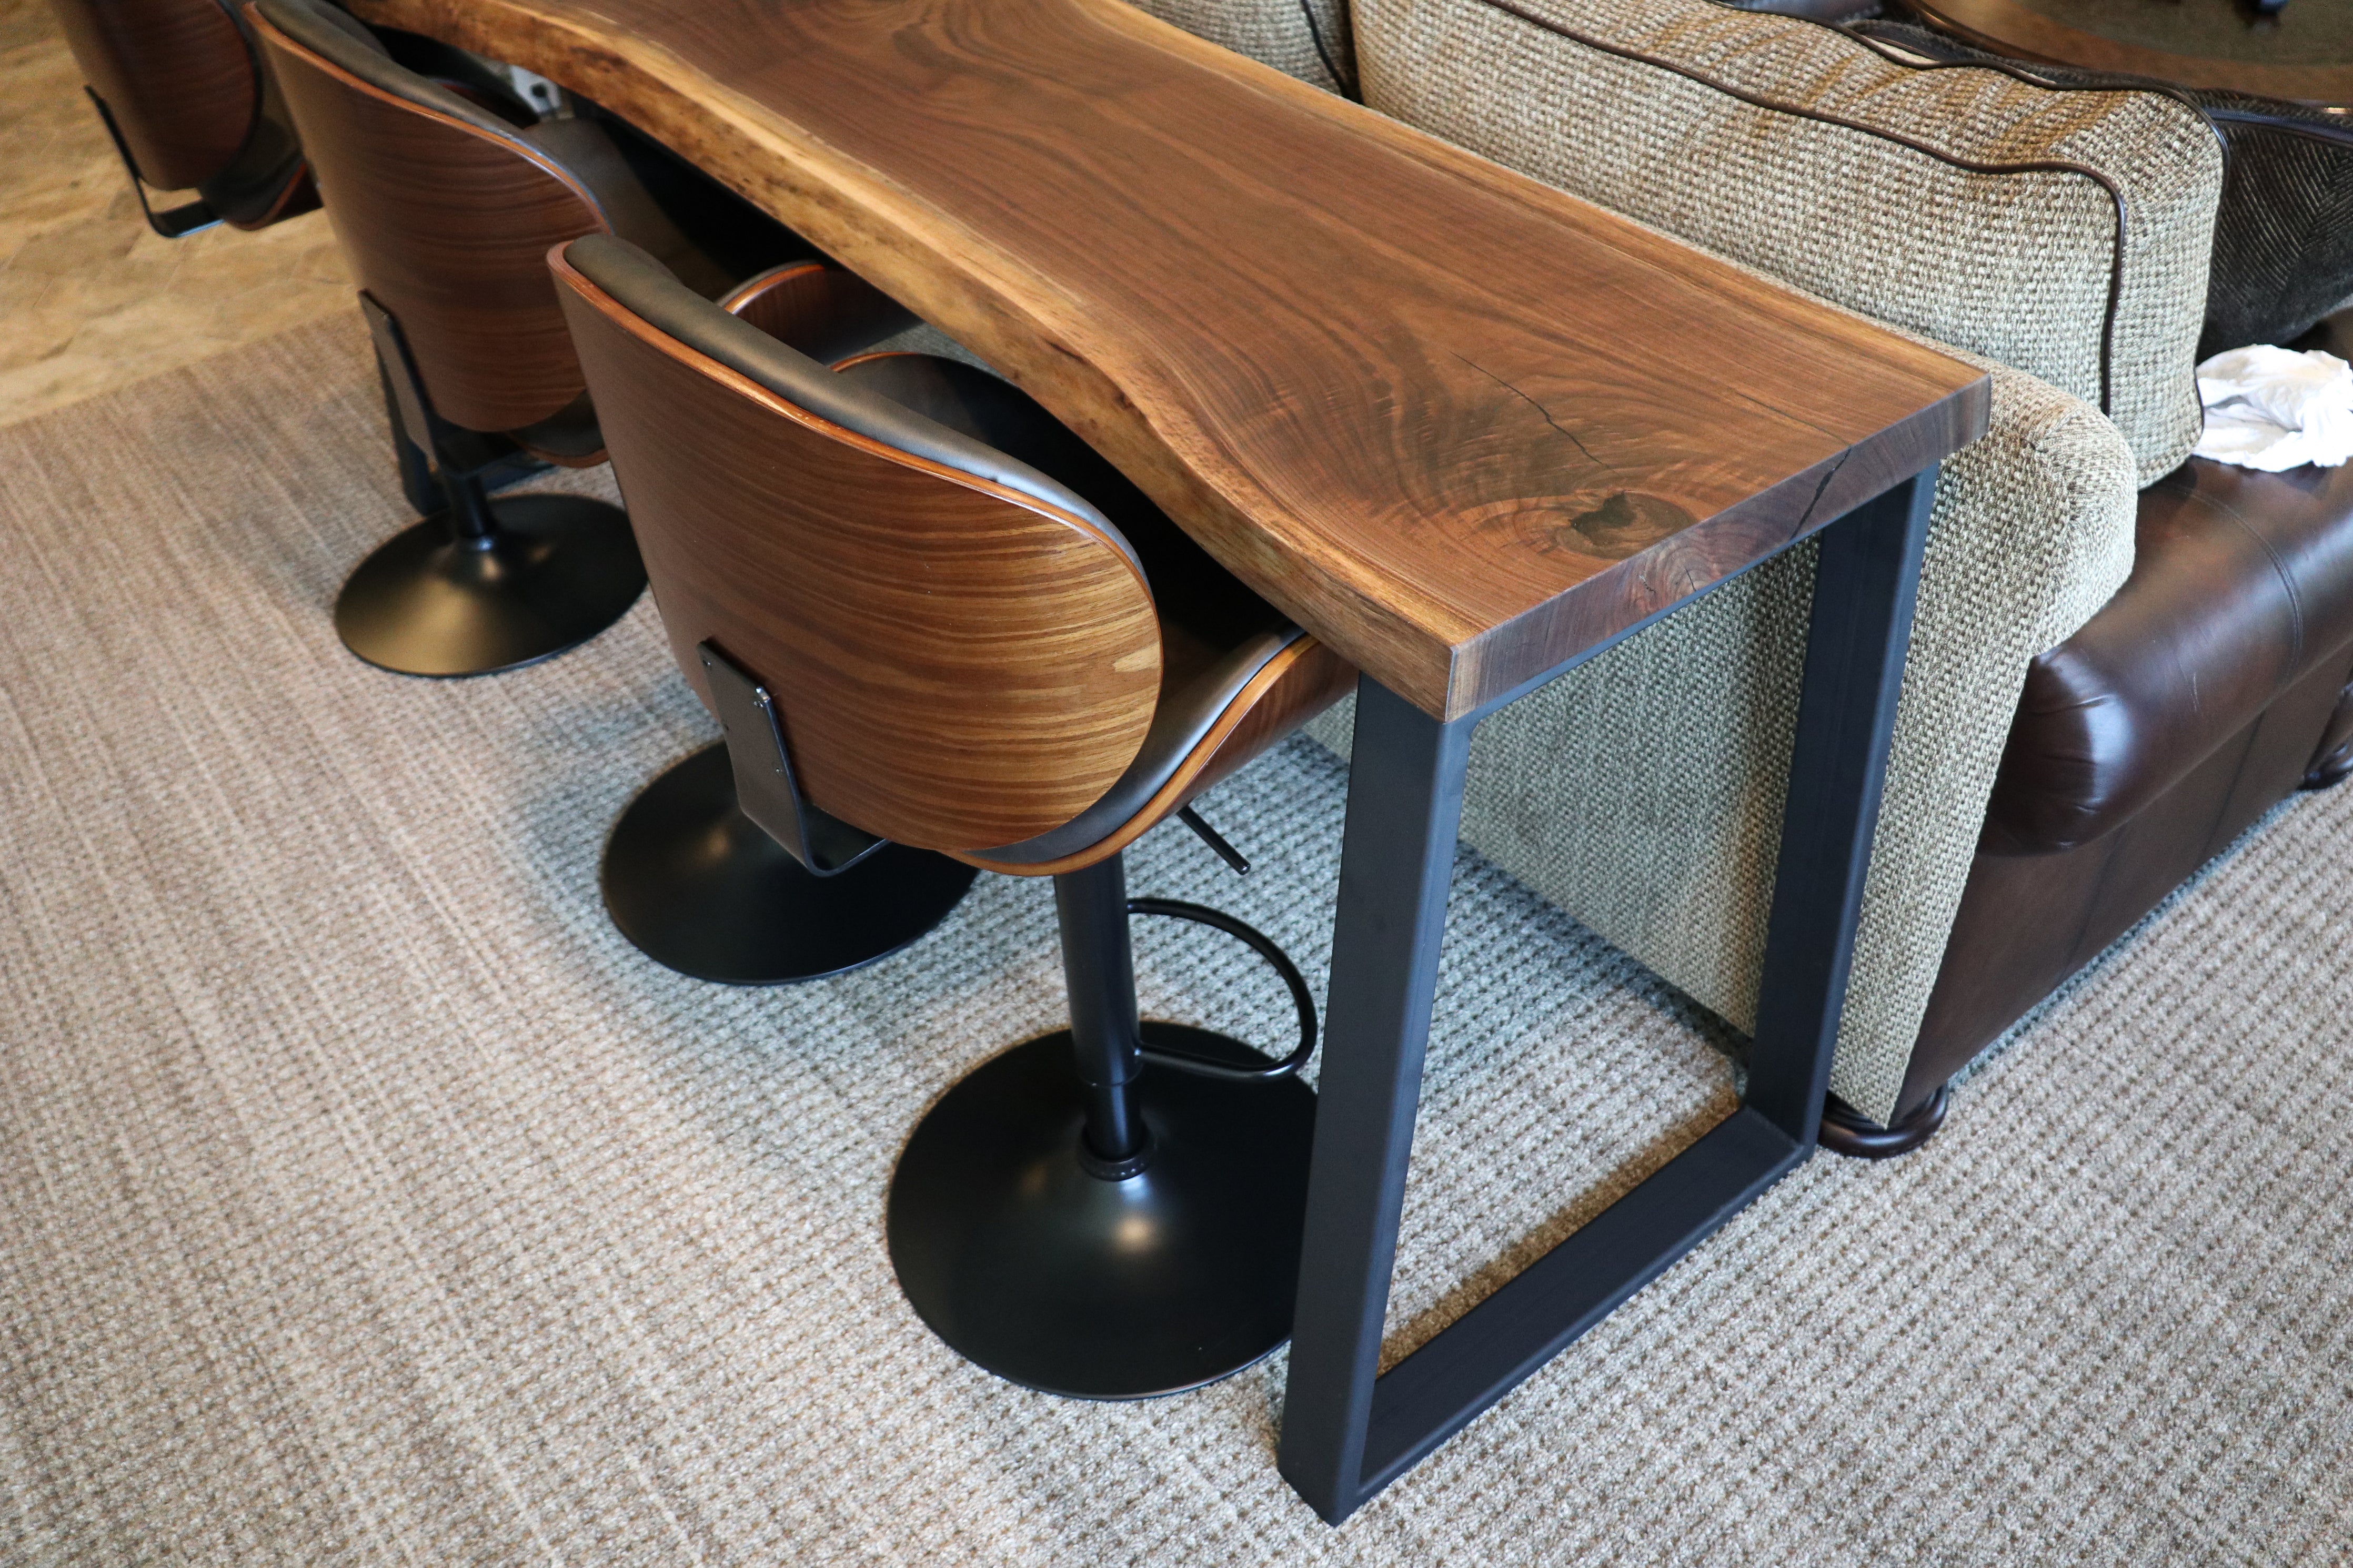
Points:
x=764 y=787
x=174 y=223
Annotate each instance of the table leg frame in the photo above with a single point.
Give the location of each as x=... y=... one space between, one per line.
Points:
x=1348 y=1430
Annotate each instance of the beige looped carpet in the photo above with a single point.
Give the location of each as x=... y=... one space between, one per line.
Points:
x=364 y=1198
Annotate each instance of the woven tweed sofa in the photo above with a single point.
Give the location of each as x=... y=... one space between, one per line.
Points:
x=2122 y=659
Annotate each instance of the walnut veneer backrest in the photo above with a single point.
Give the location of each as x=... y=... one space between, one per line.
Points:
x=178 y=75
x=965 y=655
x=445 y=215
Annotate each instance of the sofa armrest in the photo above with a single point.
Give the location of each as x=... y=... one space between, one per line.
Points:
x=2243 y=586
x=2065 y=232
x=1642 y=791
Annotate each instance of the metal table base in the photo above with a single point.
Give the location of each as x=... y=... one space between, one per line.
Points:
x=1349 y=1431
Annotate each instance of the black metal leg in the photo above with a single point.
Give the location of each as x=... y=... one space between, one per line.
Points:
x=1867 y=572
x=1348 y=1433
x=1396 y=854
x=470 y=519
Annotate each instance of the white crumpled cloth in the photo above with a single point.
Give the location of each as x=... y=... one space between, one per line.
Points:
x=2272 y=409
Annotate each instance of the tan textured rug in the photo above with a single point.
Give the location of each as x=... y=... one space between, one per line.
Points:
x=365 y=1199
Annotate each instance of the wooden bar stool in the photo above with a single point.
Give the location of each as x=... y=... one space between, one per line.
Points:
x=445 y=211
x=692 y=881
x=928 y=615
x=180 y=87
x=182 y=90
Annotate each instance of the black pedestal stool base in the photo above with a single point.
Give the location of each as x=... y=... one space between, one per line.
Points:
x=700 y=886
x=552 y=572
x=1071 y=1281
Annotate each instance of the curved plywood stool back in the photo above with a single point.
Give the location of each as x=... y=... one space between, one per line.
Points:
x=445 y=216
x=177 y=75
x=960 y=662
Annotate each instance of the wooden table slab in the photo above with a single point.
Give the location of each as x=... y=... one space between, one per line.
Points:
x=1457 y=423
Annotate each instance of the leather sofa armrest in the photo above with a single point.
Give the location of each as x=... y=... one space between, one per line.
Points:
x=2243 y=585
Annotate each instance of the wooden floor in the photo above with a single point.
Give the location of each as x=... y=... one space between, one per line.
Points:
x=89 y=298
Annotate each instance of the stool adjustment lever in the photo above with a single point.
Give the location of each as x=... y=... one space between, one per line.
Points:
x=1214 y=839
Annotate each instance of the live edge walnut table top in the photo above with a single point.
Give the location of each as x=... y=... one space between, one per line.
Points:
x=1457 y=423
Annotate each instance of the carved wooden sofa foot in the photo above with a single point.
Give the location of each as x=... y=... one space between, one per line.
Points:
x=1846 y=1131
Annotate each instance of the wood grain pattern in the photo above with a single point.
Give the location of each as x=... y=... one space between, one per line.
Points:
x=960 y=666
x=1461 y=426
x=2007 y=27
x=1297 y=684
x=177 y=75
x=824 y=312
x=447 y=227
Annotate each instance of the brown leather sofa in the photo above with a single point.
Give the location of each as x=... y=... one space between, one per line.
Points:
x=2215 y=684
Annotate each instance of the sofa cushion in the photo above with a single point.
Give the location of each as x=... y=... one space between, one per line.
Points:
x=2284 y=254
x=2063 y=232
x=1306 y=38
x=2284 y=235
x=2242 y=585
x=1642 y=791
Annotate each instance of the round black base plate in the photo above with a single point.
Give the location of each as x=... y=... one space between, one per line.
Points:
x=697 y=884
x=1106 y=1290
x=559 y=570
x=1845 y=1132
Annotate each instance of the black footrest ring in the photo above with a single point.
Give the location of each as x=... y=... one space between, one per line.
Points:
x=1264 y=945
